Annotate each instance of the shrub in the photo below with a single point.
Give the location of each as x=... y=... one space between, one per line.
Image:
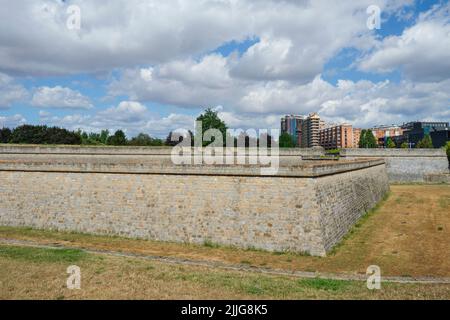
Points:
x=447 y=149
x=286 y=141
x=390 y=143
x=425 y=143
x=5 y=135
x=144 y=139
x=31 y=134
x=118 y=139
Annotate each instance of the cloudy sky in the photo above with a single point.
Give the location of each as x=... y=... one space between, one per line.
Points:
x=153 y=65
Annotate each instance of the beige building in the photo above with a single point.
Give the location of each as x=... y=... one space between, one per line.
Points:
x=310 y=131
x=339 y=137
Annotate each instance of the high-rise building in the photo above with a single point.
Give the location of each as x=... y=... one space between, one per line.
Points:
x=292 y=124
x=310 y=131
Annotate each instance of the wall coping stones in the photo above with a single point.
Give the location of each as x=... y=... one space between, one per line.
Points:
x=125 y=161
x=393 y=152
x=405 y=165
x=130 y=150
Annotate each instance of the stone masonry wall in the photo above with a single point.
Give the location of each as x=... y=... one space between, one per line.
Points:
x=300 y=213
x=405 y=165
x=345 y=197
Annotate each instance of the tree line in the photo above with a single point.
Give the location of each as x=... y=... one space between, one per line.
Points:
x=42 y=134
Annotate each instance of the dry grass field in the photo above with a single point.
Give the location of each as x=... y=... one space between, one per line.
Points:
x=34 y=273
x=407 y=235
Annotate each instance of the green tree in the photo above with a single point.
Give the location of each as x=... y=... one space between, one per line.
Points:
x=447 y=148
x=404 y=145
x=367 y=139
x=371 y=141
x=91 y=138
x=143 y=139
x=210 y=120
x=5 y=135
x=285 y=140
x=425 y=143
x=362 y=139
x=118 y=139
x=31 y=134
x=104 y=136
x=390 y=143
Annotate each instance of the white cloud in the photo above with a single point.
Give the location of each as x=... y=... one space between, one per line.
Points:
x=126 y=111
x=162 y=50
x=12 y=121
x=60 y=97
x=10 y=91
x=422 y=51
x=161 y=126
x=297 y=37
x=251 y=103
x=132 y=117
x=186 y=83
x=34 y=38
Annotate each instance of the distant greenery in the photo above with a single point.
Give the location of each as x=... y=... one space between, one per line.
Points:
x=94 y=138
x=334 y=151
x=30 y=134
x=367 y=139
x=425 y=143
x=117 y=139
x=143 y=139
x=211 y=120
x=36 y=134
x=390 y=143
x=5 y=135
x=404 y=145
x=285 y=141
x=447 y=148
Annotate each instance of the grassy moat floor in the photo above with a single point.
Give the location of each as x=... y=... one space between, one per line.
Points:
x=408 y=235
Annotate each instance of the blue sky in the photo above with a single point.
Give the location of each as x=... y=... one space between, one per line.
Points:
x=154 y=69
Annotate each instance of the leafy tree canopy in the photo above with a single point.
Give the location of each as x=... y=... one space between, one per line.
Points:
x=285 y=140
x=210 y=120
x=367 y=139
x=118 y=139
x=390 y=143
x=5 y=135
x=425 y=143
x=31 y=134
x=144 y=139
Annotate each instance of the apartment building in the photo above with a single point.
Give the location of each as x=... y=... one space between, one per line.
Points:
x=339 y=136
x=292 y=124
x=415 y=131
x=382 y=132
x=310 y=131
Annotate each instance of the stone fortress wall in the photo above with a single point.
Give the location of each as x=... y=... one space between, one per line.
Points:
x=308 y=206
x=407 y=165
